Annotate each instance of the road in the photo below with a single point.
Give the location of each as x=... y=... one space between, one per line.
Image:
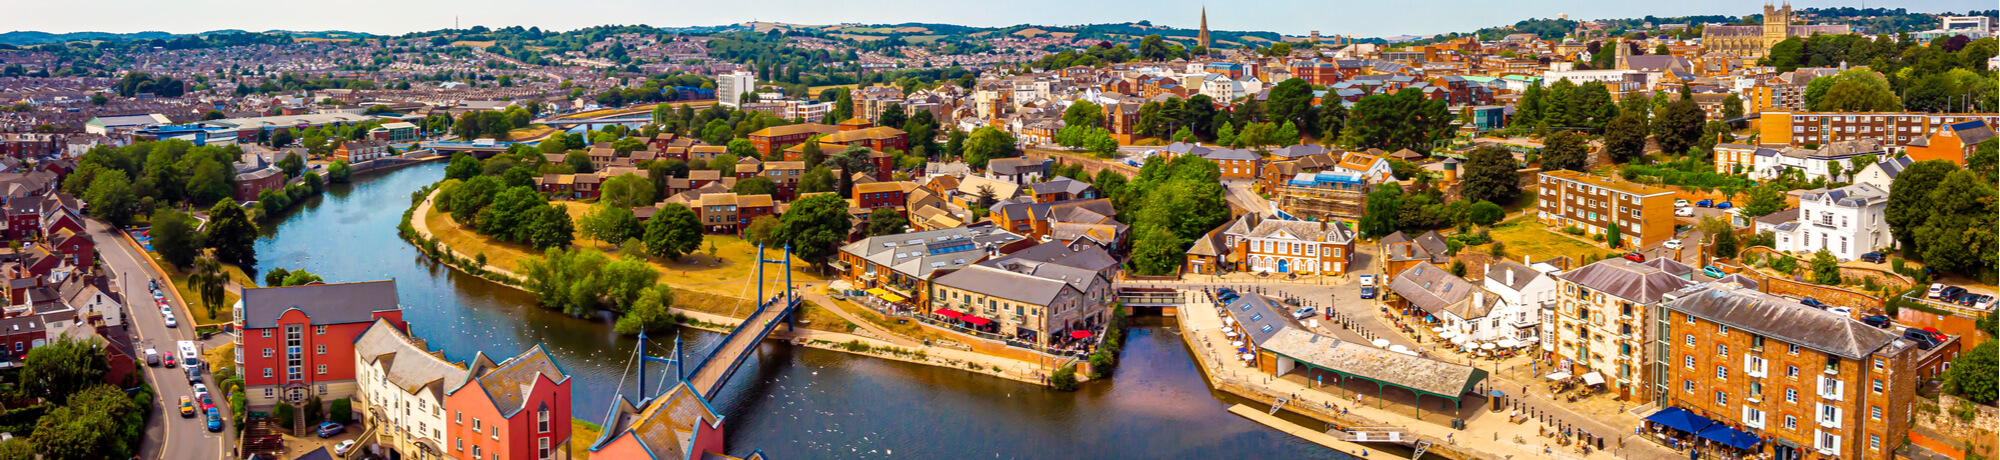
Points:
x=166 y=431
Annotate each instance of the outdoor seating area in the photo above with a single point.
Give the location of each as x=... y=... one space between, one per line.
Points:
x=1081 y=340
x=1685 y=431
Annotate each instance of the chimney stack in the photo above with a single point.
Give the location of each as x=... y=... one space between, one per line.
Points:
x=1510 y=278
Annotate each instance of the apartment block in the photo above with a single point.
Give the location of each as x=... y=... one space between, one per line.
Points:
x=1644 y=214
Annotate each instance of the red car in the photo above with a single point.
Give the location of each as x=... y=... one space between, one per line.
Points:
x=1935 y=334
x=1635 y=257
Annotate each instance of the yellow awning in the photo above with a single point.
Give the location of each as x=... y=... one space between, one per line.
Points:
x=886 y=295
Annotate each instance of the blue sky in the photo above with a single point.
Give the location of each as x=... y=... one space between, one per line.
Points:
x=1292 y=17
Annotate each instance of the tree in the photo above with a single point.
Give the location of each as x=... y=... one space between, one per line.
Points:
x=208 y=282
x=275 y=277
x=673 y=231
x=759 y=185
x=813 y=227
x=1565 y=150
x=650 y=311
x=1291 y=101
x=232 y=234
x=1402 y=120
x=463 y=166
x=1764 y=200
x=742 y=148
x=292 y=164
x=1958 y=235
x=1384 y=204
x=610 y=224
x=851 y=161
x=987 y=143
x=1613 y=236
x=300 y=278
x=175 y=237
x=886 y=221
x=1485 y=213
x=59 y=368
x=1907 y=208
x=578 y=162
x=1852 y=90
x=1490 y=175
x=1081 y=113
x=549 y=227
x=626 y=191
x=1721 y=235
x=1825 y=268
x=1972 y=375
x=893 y=116
x=338 y=172
x=111 y=198
x=811 y=153
x=1625 y=139
x=1679 y=126
x=818 y=179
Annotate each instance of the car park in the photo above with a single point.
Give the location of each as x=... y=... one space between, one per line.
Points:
x=1303 y=313
x=1950 y=292
x=1712 y=271
x=1879 y=321
x=328 y=429
x=1635 y=257
x=1872 y=257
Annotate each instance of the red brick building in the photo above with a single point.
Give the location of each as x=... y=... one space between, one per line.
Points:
x=296 y=342
x=517 y=409
x=777 y=138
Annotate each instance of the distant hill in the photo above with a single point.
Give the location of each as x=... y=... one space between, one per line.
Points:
x=30 y=38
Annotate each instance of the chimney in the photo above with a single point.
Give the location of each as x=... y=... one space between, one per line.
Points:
x=1510 y=277
x=1479 y=298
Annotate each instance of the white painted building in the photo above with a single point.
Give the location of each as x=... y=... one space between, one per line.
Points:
x=400 y=387
x=729 y=87
x=1525 y=288
x=1771 y=163
x=1846 y=221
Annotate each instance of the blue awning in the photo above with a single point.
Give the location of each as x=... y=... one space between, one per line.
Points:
x=1730 y=437
x=1680 y=419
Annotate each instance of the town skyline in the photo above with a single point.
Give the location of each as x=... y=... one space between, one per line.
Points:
x=1369 y=21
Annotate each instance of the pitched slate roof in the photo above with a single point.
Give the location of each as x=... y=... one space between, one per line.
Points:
x=406 y=365
x=325 y=303
x=1411 y=372
x=1627 y=280
x=510 y=383
x=1782 y=319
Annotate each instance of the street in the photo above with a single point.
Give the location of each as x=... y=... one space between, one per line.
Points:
x=166 y=430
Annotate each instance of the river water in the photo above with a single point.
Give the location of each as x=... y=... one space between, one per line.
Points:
x=790 y=402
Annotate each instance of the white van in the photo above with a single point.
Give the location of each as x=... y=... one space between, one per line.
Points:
x=190 y=355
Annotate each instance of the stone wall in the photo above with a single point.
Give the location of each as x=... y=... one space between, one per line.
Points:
x=1835 y=296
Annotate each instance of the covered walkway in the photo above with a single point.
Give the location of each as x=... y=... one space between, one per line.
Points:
x=1349 y=361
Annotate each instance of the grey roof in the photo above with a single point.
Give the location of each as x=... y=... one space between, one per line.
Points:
x=1060 y=185
x=1433 y=289
x=1330 y=232
x=1895 y=166
x=1852 y=196
x=407 y=365
x=1781 y=318
x=1299 y=151
x=1671 y=266
x=1780 y=217
x=1627 y=280
x=1411 y=372
x=1231 y=154
x=922 y=253
x=1012 y=166
x=1497 y=273
x=1973 y=132
x=324 y=303
x=1261 y=316
x=996 y=282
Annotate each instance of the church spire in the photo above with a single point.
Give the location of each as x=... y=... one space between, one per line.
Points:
x=1202 y=37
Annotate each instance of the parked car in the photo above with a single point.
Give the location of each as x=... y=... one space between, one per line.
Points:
x=1935 y=335
x=215 y=419
x=1303 y=313
x=193 y=373
x=1872 y=257
x=200 y=389
x=207 y=401
x=1680 y=203
x=1683 y=212
x=1812 y=302
x=1724 y=205
x=171 y=322
x=343 y=448
x=1937 y=289
x=153 y=284
x=1984 y=302
x=187 y=407
x=1923 y=340
x=1705 y=203
x=1950 y=292
x=1879 y=321
x=328 y=429
x=1635 y=257
x=1712 y=271
x=1842 y=311
x=152 y=357
x=1671 y=244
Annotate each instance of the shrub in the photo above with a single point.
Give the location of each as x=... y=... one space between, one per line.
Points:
x=1064 y=379
x=342 y=411
x=283 y=412
x=1573 y=230
x=315 y=412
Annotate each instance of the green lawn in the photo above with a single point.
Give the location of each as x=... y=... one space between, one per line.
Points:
x=1525 y=236
x=195 y=307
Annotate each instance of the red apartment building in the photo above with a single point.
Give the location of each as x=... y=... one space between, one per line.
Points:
x=777 y=138
x=518 y=409
x=296 y=342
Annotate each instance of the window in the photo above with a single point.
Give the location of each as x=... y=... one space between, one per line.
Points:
x=1792 y=348
x=1829 y=415
x=1791 y=371
x=1687 y=386
x=1690 y=340
x=496 y=432
x=1792 y=395
x=1827 y=443
x=542 y=448
x=1878 y=364
x=1791 y=422
x=1687 y=360
x=461 y=444
x=1721 y=373
x=1878 y=386
x=267 y=372
x=542 y=421
x=319 y=330
x=1874 y=441
x=1875 y=412
x=267 y=333
x=1721 y=398
x=1722 y=329
x=458 y=417
x=322 y=369
x=475 y=452
x=1721 y=350
x=321 y=349
x=268 y=351
x=475 y=425
x=1753 y=417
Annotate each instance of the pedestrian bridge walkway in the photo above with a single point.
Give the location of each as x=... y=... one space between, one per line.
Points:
x=713 y=371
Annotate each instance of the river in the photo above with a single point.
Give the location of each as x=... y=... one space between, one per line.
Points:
x=790 y=402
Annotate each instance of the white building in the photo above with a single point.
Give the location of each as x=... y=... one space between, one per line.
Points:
x=1467 y=310
x=1222 y=88
x=729 y=87
x=1580 y=77
x=1771 y=163
x=401 y=387
x=1846 y=221
x=1525 y=289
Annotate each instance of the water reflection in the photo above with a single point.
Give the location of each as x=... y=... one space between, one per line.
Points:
x=790 y=402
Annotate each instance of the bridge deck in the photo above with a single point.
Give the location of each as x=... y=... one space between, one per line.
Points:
x=722 y=362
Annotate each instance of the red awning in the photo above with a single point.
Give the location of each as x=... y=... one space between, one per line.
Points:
x=976 y=321
x=949 y=313
x=1079 y=334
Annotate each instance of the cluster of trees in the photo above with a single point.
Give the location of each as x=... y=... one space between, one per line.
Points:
x=1094 y=139
x=230 y=232
x=1945 y=216
x=121 y=181
x=1566 y=105
x=1947 y=75
x=135 y=83
x=1101 y=54
x=491 y=123
x=582 y=281
x=1391 y=122
x=1390 y=210
x=79 y=416
x=1169 y=205
x=497 y=198
x=280 y=277
x=983 y=145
